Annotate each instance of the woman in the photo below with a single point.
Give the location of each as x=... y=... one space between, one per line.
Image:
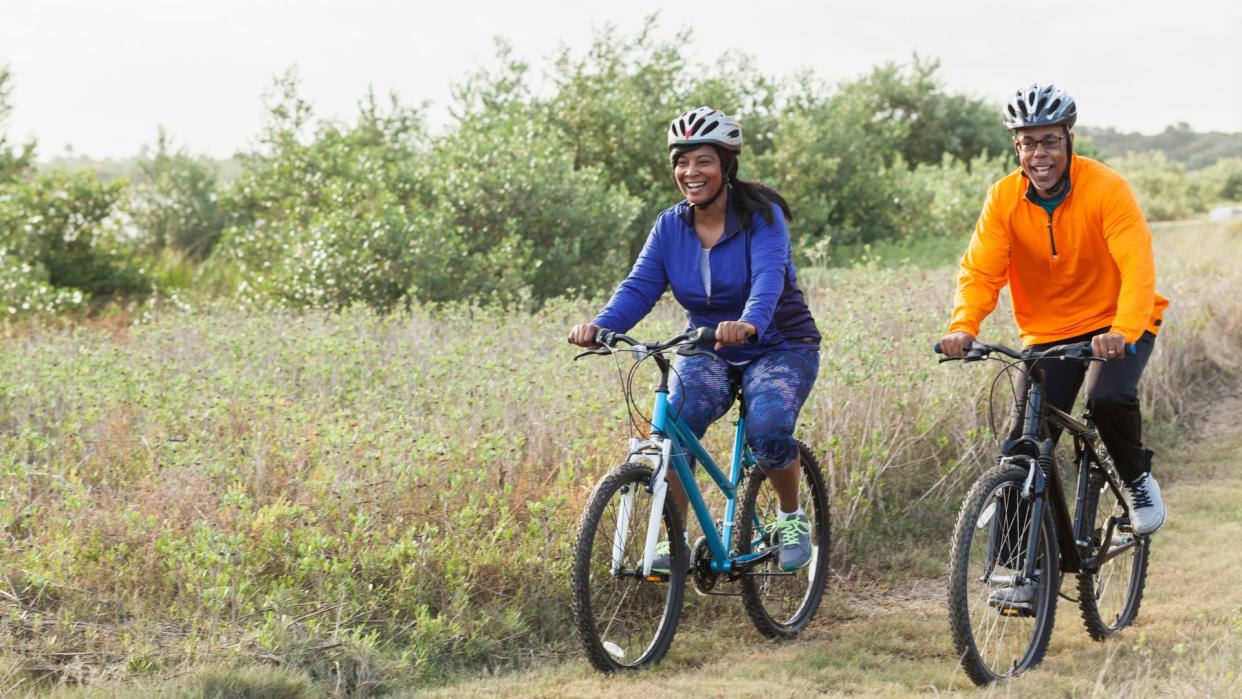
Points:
x=725 y=252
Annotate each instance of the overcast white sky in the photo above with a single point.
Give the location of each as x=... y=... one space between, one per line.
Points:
x=101 y=76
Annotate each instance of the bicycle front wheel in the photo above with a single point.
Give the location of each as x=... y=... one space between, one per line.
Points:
x=998 y=633
x=1110 y=597
x=625 y=620
x=781 y=603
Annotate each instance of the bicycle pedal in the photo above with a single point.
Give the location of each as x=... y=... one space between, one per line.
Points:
x=1013 y=608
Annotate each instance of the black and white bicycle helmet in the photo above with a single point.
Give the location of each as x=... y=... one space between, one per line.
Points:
x=705 y=125
x=1040 y=105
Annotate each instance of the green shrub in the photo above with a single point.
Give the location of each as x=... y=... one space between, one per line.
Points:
x=864 y=163
x=174 y=203
x=324 y=215
x=1221 y=182
x=1161 y=185
x=496 y=210
x=61 y=228
x=610 y=108
x=510 y=215
x=24 y=289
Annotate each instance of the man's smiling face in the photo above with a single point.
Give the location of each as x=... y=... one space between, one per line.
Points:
x=1043 y=152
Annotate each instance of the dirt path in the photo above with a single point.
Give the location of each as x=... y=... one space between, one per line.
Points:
x=895 y=642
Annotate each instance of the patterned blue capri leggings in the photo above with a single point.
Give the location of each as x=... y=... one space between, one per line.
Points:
x=774 y=387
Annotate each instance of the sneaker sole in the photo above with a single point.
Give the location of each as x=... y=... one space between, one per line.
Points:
x=1154 y=529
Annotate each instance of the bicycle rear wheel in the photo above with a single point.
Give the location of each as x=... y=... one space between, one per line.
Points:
x=994 y=638
x=1110 y=597
x=782 y=603
x=625 y=621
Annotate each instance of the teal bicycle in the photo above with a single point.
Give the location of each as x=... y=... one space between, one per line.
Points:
x=626 y=613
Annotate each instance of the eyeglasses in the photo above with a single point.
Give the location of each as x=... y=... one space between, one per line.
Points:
x=1028 y=145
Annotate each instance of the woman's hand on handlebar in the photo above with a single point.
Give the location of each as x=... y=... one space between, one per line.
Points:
x=583 y=334
x=733 y=332
x=956 y=344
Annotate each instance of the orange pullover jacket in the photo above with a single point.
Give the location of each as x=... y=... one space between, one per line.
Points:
x=1086 y=267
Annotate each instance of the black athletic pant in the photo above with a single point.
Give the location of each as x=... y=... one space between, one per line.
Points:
x=1112 y=397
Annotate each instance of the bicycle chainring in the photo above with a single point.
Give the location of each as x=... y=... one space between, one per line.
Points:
x=704 y=577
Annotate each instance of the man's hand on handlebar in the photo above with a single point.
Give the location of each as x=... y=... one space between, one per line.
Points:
x=956 y=344
x=1109 y=345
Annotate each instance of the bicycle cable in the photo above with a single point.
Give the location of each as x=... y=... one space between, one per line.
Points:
x=1005 y=371
x=1013 y=390
x=632 y=407
x=625 y=389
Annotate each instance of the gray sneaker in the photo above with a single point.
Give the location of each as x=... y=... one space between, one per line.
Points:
x=794 y=537
x=1147 y=510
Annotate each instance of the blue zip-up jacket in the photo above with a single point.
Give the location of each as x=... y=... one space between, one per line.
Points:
x=752 y=279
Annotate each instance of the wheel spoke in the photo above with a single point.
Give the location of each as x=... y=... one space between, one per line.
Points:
x=1110 y=597
x=623 y=620
x=994 y=636
x=781 y=603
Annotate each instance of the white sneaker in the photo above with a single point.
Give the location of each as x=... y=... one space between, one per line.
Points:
x=1147 y=510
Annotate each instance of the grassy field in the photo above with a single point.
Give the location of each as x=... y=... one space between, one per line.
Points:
x=372 y=503
x=893 y=639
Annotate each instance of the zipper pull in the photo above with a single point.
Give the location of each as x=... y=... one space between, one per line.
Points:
x=1051 y=240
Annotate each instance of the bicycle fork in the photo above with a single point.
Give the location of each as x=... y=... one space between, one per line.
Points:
x=659 y=490
x=1032 y=492
x=642 y=451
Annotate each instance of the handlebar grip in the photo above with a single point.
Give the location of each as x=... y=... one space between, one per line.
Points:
x=707 y=336
x=936 y=348
x=604 y=336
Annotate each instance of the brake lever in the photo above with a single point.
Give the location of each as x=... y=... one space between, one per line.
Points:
x=694 y=351
x=580 y=355
x=942 y=360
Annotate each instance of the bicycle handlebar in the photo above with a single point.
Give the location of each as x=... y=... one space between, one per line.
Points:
x=979 y=351
x=606 y=339
x=698 y=336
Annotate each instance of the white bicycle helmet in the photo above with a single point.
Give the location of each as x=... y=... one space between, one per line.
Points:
x=705 y=125
x=1040 y=105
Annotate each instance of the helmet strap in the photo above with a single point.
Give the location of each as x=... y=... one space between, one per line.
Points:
x=723 y=185
x=729 y=178
x=1063 y=182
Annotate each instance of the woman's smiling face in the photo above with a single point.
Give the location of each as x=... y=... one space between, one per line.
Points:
x=698 y=174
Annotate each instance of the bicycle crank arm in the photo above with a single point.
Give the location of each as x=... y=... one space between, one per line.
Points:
x=638 y=573
x=1113 y=552
x=744 y=562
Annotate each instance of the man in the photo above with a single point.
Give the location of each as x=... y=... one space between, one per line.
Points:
x=1067 y=235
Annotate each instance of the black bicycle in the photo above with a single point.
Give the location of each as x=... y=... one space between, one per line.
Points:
x=1015 y=534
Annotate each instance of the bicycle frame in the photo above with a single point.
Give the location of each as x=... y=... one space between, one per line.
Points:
x=671 y=439
x=1034 y=449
